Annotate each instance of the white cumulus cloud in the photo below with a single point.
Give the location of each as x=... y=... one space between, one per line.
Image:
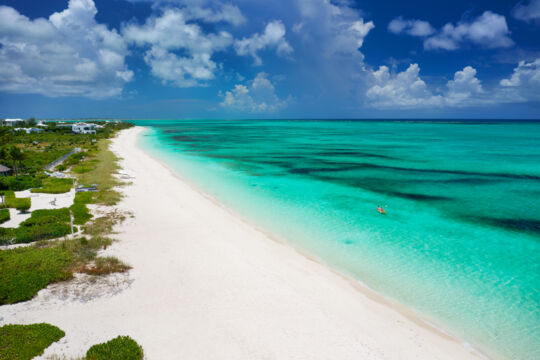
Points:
x=410 y=27
x=180 y=53
x=407 y=89
x=210 y=11
x=529 y=12
x=489 y=30
x=68 y=54
x=258 y=97
x=334 y=27
x=273 y=37
x=524 y=83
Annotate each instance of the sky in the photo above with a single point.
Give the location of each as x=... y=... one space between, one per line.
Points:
x=176 y=59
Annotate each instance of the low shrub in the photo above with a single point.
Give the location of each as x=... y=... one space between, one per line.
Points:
x=6 y=235
x=74 y=159
x=14 y=202
x=43 y=216
x=43 y=224
x=23 y=205
x=81 y=214
x=19 y=183
x=104 y=266
x=84 y=197
x=119 y=348
x=104 y=224
x=24 y=271
x=54 y=186
x=4 y=215
x=24 y=342
x=27 y=234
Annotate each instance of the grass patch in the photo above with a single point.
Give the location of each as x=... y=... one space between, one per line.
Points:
x=17 y=203
x=80 y=211
x=25 y=271
x=119 y=348
x=4 y=215
x=102 y=165
x=104 y=266
x=104 y=224
x=74 y=159
x=53 y=185
x=42 y=225
x=24 y=342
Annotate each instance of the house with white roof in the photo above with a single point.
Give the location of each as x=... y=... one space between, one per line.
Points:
x=83 y=128
x=13 y=122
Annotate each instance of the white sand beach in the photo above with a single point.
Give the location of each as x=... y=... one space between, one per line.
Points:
x=205 y=284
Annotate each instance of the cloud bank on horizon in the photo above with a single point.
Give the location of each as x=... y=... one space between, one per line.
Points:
x=293 y=57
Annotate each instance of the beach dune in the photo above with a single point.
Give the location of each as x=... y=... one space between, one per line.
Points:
x=205 y=284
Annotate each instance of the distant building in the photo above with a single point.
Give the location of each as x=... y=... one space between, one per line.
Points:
x=41 y=123
x=29 y=130
x=4 y=170
x=83 y=128
x=13 y=122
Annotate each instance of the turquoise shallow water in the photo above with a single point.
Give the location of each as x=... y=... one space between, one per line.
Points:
x=461 y=239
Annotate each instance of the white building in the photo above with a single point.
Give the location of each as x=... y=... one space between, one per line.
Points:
x=13 y=122
x=83 y=128
x=29 y=130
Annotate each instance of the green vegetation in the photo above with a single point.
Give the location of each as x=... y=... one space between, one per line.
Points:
x=23 y=205
x=24 y=342
x=98 y=169
x=104 y=224
x=25 y=271
x=19 y=183
x=119 y=348
x=42 y=225
x=4 y=215
x=54 y=186
x=11 y=201
x=80 y=211
x=28 y=154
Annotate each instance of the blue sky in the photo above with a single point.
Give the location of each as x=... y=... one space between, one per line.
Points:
x=270 y=59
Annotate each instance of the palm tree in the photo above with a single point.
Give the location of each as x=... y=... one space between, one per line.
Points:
x=16 y=156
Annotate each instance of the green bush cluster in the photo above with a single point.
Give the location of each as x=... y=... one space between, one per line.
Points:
x=74 y=159
x=119 y=348
x=81 y=214
x=54 y=186
x=10 y=201
x=21 y=204
x=46 y=224
x=42 y=224
x=4 y=215
x=20 y=183
x=24 y=342
x=24 y=271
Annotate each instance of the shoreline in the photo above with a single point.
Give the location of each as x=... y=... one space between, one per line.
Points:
x=411 y=314
x=208 y=284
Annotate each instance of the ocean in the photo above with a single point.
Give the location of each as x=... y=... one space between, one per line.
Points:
x=460 y=240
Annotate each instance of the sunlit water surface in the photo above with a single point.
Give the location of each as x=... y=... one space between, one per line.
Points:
x=460 y=242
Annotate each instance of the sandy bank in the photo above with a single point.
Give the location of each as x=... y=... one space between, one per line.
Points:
x=207 y=285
